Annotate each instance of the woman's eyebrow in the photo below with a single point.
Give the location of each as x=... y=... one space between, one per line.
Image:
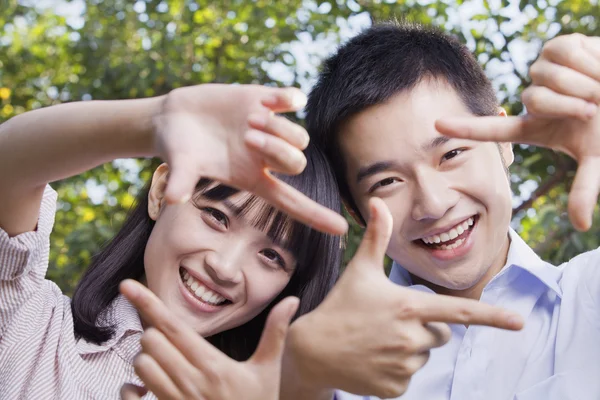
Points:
x=277 y=240
x=232 y=207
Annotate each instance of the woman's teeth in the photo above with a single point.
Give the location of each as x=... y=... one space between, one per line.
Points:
x=449 y=235
x=200 y=291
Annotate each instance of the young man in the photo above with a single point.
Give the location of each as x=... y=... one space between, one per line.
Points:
x=374 y=112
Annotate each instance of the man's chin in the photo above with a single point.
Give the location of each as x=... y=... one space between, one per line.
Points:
x=453 y=281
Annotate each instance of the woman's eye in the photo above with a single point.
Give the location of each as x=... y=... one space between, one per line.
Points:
x=216 y=216
x=451 y=154
x=273 y=256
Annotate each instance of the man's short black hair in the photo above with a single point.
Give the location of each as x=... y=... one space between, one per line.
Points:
x=379 y=63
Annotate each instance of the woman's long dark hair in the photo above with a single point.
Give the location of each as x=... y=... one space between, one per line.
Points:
x=318 y=258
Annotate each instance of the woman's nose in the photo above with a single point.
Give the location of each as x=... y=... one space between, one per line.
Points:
x=225 y=266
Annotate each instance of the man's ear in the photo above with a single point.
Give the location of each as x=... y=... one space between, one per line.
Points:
x=156 y=195
x=354 y=214
x=506 y=149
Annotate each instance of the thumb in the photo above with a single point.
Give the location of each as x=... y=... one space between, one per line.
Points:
x=584 y=193
x=181 y=181
x=270 y=347
x=373 y=246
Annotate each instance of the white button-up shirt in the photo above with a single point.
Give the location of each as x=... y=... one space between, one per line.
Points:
x=555 y=357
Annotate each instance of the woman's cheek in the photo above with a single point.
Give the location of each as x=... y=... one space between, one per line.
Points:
x=264 y=286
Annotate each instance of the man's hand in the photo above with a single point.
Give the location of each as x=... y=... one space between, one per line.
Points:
x=177 y=363
x=229 y=133
x=565 y=79
x=562 y=106
x=370 y=335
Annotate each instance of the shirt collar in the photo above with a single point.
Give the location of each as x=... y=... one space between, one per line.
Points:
x=520 y=257
x=123 y=316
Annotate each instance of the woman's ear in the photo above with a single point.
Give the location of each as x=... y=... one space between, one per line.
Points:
x=506 y=149
x=156 y=194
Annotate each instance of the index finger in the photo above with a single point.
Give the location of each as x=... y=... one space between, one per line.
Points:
x=526 y=129
x=299 y=206
x=453 y=310
x=496 y=129
x=284 y=99
x=156 y=314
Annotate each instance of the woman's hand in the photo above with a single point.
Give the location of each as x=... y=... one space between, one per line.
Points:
x=177 y=363
x=225 y=132
x=230 y=133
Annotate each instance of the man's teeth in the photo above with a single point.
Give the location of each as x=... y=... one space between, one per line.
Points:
x=450 y=235
x=201 y=291
x=452 y=246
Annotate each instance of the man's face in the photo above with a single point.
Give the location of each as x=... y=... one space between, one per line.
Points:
x=450 y=199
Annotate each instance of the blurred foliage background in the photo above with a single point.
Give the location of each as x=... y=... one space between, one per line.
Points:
x=54 y=51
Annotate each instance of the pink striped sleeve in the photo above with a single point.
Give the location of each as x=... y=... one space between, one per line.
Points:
x=24 y=261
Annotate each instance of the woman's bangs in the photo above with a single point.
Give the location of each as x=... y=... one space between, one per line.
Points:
x=278 y=226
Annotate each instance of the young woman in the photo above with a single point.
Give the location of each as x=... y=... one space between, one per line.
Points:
x=218 y=258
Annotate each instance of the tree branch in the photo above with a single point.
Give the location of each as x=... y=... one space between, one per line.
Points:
x=543 y=247
x=540 y=191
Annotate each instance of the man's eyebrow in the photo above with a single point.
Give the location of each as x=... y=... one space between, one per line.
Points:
x=436 y=142
x=381 y=166
x=374 y=168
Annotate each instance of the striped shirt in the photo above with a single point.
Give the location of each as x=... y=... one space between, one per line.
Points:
x=40 y=358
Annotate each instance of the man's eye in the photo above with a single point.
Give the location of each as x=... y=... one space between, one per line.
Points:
x=382 y=183
x=451 y=154
x=216 y=216
x=272 y=256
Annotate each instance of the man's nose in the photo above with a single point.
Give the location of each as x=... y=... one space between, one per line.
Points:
x=433 y=196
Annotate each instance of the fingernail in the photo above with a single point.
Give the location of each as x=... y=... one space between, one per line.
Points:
x=270 y=100
x=256 y=138
x=306 y=141
x=299 y=158
x=591 y=110
x=258 y=119
x=299 y=100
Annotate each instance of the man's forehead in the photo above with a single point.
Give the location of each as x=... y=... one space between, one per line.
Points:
x=371 y=145
x=413 y=111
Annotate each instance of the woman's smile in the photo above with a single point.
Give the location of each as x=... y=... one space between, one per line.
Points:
x=199 y=295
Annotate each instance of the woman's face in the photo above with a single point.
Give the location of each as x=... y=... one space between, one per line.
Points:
x=210 y=266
